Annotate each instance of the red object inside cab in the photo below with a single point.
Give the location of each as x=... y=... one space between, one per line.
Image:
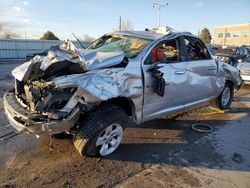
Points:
x=158 y=54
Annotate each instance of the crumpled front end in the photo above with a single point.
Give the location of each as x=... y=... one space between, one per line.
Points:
x=39 y=124
x=51 y=91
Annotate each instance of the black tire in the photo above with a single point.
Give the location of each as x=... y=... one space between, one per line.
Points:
x=92 y=126
x=219 y=101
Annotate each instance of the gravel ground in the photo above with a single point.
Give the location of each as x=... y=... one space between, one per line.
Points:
x=159 y=153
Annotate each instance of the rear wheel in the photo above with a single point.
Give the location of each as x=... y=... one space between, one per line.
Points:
x=225 y=98
x=101 y=132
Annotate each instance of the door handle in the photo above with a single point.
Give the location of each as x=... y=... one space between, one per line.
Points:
x=179 y=72
x=212 y=68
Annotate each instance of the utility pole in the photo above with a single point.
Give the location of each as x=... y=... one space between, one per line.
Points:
x=120 y=23
x=159 y=6
x=225 y=37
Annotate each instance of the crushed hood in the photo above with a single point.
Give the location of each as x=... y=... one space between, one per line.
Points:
x=66 y=59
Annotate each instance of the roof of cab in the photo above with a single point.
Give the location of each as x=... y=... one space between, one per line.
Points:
x=142 y=34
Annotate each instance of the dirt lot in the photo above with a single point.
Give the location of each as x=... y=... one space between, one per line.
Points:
x=159 y=153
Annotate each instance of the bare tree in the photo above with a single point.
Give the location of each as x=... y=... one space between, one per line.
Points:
x=88 y=38
x=127 y=25
x=6 y=33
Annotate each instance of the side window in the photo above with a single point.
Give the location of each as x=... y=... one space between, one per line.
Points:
x=238 y=51
x=241 y=51
x=165 y=52
x=196 y=49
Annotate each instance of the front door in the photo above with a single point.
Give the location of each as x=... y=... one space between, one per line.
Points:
x=166 y=58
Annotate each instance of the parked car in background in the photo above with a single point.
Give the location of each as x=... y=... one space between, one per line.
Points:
x=214 y=49
x=231 y=55
x=248 y=50
x=91 y=93
x=31 y=55
x=244 y=67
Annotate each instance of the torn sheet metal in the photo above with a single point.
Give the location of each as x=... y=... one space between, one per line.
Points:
x=99 y=85
x=87 y=60
x=97 y=60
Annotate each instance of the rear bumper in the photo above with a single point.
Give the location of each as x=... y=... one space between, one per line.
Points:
x=24 y=121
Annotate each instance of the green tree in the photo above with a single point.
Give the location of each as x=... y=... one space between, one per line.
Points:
x=49 y=36
x=205 y=35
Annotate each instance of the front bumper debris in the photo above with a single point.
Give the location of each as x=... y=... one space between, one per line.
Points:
x=24 y=121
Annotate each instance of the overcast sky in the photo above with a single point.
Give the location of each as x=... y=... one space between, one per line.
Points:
x=96 y=17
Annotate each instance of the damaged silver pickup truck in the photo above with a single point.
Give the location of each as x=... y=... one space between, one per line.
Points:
x=90 y=93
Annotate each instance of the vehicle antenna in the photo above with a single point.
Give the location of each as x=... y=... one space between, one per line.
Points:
x=78 y=41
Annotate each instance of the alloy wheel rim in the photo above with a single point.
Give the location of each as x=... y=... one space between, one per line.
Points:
x=226 y=96
x=109 y=139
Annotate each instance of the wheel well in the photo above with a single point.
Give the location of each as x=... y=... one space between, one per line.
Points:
x=230 y=82
x=125 y=103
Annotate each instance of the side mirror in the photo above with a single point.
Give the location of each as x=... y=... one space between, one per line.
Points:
x=159 y=82
x=239 y=60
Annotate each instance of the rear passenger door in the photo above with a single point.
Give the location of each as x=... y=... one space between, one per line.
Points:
x=202 y=70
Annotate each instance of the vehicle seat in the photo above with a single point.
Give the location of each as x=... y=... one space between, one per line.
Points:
x=158 y=55
x=171 y=53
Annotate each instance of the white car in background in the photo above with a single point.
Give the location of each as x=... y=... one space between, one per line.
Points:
x=244 y=67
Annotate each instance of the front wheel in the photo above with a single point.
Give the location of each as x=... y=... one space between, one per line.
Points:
x=225 y=98
x=101 y=132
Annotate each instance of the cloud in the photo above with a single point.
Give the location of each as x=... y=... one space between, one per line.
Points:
x=14 y=19
x=199 y=4
x=21 y=7
x=25 y=20
x=25 y=3
x=6 y=31
x=17 y=8
x=86 y=4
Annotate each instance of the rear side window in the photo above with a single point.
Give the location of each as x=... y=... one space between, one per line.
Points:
x=196 y=49
x=238 y=51
x=247 y=60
